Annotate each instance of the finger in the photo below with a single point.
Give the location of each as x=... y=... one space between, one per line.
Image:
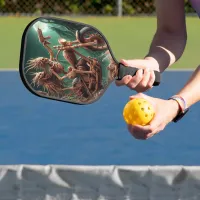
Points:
x=138 y=95
x=129 y=126
x=144 y=130
x=147 y=82
x=156 y=122
x=156 y=131
x=151 y=79
x=136 y=79
x=146 y=76
x=139 y=88
x=124 y=62
x=155 y=126
x=136 y=135
x=133 y=63
x=139 y=136
x=124 y=81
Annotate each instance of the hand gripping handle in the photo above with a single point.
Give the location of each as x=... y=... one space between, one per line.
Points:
x=124 y=71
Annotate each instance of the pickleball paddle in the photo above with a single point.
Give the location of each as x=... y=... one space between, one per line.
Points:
x=68 y=61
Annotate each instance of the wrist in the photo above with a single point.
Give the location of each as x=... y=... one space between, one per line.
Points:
x=179 y=106
x=154 y=63
x=175 y=108
x=163 y=56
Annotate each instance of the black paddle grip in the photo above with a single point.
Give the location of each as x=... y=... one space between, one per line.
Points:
x=124 y=71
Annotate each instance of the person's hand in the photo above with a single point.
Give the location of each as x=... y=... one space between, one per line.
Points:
x=141 y=82
x=165 y=112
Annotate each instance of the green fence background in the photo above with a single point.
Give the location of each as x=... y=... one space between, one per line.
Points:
x=81 y=7
x=129 y=37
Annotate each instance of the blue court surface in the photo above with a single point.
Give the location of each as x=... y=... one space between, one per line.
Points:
x=34 y=130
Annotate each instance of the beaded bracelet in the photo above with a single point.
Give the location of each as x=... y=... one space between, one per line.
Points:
x=180 y=99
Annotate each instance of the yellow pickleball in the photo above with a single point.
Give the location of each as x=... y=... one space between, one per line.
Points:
x=138 y=111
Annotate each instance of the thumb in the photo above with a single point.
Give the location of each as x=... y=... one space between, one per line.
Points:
x=155 y=121
x=138 y=95
x=155 y=124
x=138 y=63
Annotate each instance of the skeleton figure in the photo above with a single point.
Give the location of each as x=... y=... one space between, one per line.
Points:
x=50 y=84
x=87 y=74
x=90 y=40
x=85 y=71
x=87 y=68
x=85 y=39
x=46 y=65
x=78 y=90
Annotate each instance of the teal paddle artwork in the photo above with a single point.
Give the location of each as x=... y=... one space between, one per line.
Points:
x=69 y=61
x=66 y=61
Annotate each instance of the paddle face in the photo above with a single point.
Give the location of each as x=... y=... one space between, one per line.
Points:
x=66 y=61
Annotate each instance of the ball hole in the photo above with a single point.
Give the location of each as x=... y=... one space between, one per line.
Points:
x=142 y=109
x=146 y=115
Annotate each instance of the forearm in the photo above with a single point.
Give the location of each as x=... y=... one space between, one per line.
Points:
x=191 y=91
x=166 y=48
x=170 y=38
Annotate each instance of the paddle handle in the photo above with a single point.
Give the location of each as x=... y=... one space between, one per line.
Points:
x=124 y=71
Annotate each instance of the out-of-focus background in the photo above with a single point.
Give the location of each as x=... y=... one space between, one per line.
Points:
x=40 y=131
x=129 y=35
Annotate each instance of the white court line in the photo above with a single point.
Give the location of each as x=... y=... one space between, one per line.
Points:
x=8 y=70
x=179 y=70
